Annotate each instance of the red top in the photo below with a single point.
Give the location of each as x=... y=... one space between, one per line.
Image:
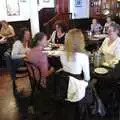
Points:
x=39 y=59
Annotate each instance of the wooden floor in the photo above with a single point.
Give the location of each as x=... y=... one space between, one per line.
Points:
x=10 y=109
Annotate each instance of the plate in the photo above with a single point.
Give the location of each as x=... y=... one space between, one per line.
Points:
x=47 y=48
x=100 y=36
x=101 y=70
x=53 y=53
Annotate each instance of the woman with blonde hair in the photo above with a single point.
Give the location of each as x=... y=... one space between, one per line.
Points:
x=70 y=83
x=74 y=42
x=74 y=62
x=6 y=31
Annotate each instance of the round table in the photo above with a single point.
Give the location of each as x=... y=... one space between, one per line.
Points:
x=94 y=42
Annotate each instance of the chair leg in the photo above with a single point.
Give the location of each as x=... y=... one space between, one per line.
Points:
x=83 y=112
x=14 y=88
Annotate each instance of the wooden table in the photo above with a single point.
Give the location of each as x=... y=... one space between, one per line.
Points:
x=94 y=42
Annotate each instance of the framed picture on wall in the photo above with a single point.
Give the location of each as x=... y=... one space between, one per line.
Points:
x=23 y=1
x=13 y=8
x=38 y=2
x=78 y=3
x=45 y=0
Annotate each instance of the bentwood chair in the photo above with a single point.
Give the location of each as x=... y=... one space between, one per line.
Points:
x=34 y=75
x=35 y=78
x=15 y=74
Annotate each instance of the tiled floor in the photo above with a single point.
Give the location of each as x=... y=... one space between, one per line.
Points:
x=10 y=109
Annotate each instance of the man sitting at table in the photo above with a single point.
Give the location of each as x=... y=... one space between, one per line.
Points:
x=37 y=57
x=95 y=27
x=111 y=45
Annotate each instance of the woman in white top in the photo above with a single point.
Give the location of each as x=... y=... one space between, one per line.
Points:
x=74 y=60
x=20 y=47
x=111 y=45
x=70 y=84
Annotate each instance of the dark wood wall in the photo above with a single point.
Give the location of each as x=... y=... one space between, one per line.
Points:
x=20 y=24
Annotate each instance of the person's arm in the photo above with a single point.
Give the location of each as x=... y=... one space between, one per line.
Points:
x=104 y=29
x=17 y=48
x=11 y=31
x=86 y=69
x=44 y=67
x=117 y=51
x=102 y=47
x=52 y=38
x=43 y=64
x=1 y=35
x=91 y=28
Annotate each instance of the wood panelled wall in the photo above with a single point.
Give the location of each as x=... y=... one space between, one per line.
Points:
x=62 y=6
x=98 y=6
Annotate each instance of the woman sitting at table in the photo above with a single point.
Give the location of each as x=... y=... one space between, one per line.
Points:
x=20 y=48
x=95 y=27
x=6 y=32
x=58 y=36
x=111 y=45
x=37 y=57
x=107 y=24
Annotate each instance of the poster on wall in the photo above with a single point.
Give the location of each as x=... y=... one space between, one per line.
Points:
x=13 y=7
x=79 y=8
x=24 y=1
x=45 y=0
x=78 y=3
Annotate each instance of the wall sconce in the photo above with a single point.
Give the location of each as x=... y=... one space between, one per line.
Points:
x=106 y=12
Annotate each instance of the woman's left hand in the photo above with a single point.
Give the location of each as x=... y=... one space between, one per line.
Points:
x=43 y=83
x=3 y=40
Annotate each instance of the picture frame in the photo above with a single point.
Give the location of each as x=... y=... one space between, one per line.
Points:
x=24 y=1
x=13 y=8
x=46 y=0
x=78 y=3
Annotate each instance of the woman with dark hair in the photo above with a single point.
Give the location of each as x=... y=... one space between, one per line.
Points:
x=37 y=57
x=20 y=46
x=58 y=36
x=25 y=35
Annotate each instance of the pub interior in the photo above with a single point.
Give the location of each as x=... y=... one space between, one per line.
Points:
x=59 y=59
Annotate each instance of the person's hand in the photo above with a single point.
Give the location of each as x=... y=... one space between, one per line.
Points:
x=27 y=50
x=43 y=83
x=3 y=40
x=45 y=24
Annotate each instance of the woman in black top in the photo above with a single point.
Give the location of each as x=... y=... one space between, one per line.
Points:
x=59 y=40
x=58 y=36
